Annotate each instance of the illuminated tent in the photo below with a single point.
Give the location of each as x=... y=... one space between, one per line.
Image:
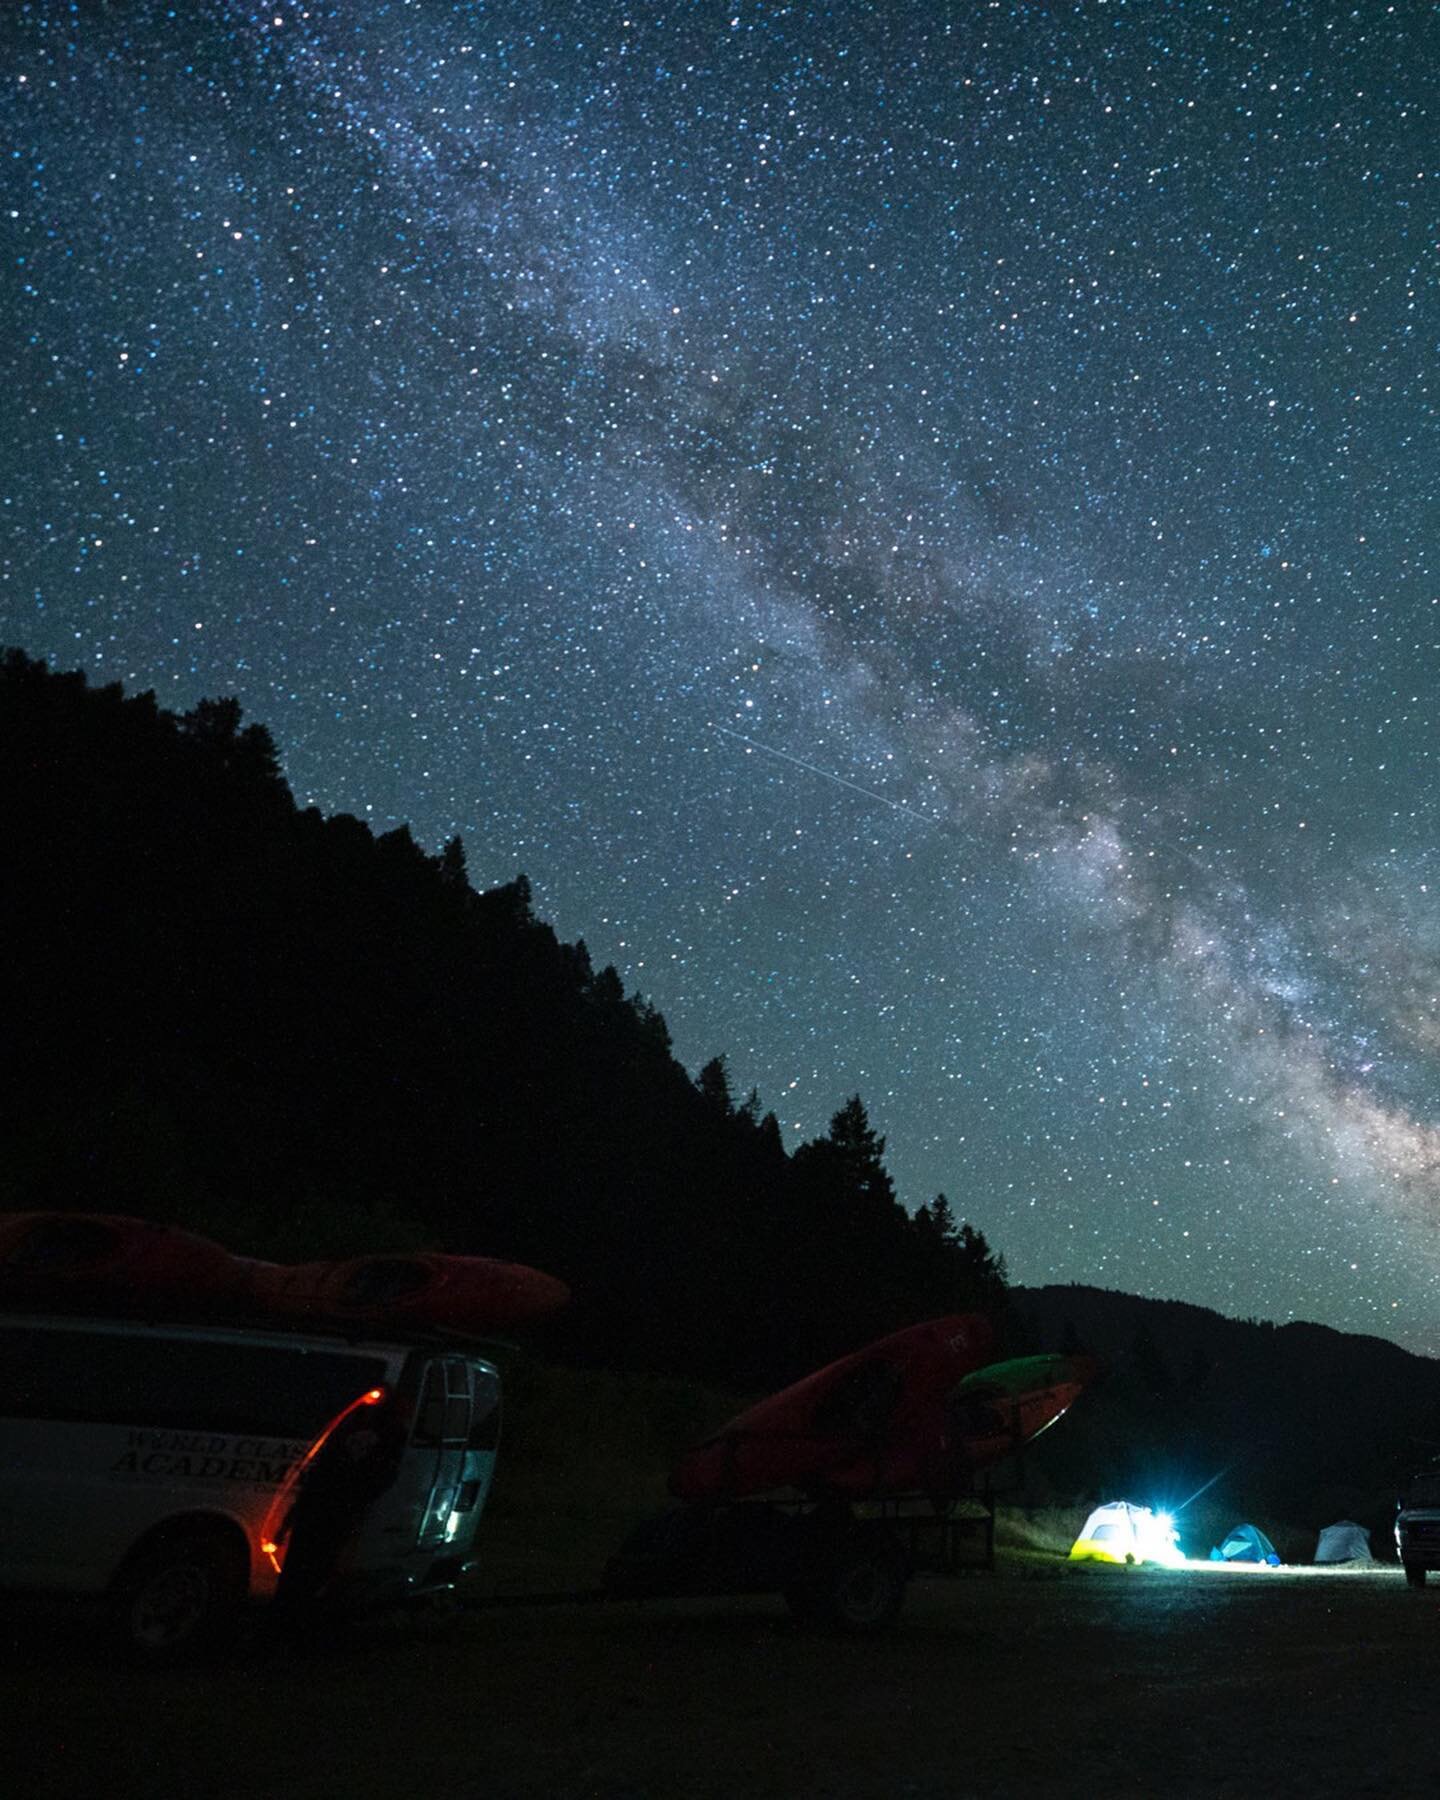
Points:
x=1344 y=1542
x=1245 y=1544
x=1121 y=1533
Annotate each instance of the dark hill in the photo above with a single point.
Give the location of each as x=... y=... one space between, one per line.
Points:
x=1297 y=1422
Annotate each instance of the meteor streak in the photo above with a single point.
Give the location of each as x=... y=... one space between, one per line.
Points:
x=1201 y=1489
x=826 y=775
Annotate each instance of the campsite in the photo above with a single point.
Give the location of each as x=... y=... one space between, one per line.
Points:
x=721 y=1070
x=1045 y=1678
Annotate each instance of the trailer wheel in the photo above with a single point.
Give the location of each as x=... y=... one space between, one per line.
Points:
x=178 y=1598
x=1415 y=1574
x=858 y=1590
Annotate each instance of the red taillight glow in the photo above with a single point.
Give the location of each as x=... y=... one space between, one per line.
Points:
x=273 y=1528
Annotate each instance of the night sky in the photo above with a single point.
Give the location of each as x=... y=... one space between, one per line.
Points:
x=913 y=525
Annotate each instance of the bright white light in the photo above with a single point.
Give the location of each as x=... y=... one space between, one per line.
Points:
x=1158 y=1539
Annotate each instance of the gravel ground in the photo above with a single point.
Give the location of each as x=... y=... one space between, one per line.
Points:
x=1042 y=1679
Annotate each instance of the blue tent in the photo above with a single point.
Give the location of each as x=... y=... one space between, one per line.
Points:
x=1245 y=1544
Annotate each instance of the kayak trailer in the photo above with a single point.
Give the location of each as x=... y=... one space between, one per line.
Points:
x=841 y=1566
x=837 y=1489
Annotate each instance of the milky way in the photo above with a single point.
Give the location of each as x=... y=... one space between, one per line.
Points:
x=915 y=535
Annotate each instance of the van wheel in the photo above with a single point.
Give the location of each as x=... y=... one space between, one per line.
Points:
x=1415 y=1574
x=179 y=1598
x=859 y=1591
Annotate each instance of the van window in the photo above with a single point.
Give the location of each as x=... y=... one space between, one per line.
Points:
x=183 y=1383
x=460 y=1404
x=485 y=1423
x=445 y=1407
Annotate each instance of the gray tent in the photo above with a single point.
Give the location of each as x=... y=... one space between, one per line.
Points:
x=1344 y=1542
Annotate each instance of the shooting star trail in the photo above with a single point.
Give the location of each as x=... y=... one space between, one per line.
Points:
x=826 y=775
x=1201 y=1489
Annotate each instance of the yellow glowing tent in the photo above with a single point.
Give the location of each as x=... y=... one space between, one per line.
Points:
x=1118 y=1532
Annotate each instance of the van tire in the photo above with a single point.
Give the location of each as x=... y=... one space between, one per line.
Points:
x=1415 y=1574
x=177 y=1598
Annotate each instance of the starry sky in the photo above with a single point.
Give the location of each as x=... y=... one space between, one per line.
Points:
x=913 y=525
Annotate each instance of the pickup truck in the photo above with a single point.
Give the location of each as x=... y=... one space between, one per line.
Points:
x=1417 y=1526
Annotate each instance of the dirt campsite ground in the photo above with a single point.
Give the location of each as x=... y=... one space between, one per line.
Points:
x=1040 y=1679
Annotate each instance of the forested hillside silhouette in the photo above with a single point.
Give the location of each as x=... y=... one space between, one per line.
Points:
x=227 y=1011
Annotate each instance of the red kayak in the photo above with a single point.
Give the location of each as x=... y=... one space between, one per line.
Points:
x=428 y=1291
x=872 y=1423
x=106 y=1259
x=118 y=1264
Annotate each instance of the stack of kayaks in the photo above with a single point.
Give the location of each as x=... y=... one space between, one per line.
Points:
x=447 y=1293
x=865 y=1424
x=106 y=1261
x=916 y=1412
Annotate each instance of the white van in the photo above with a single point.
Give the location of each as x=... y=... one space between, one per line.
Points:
x=157 y=1465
